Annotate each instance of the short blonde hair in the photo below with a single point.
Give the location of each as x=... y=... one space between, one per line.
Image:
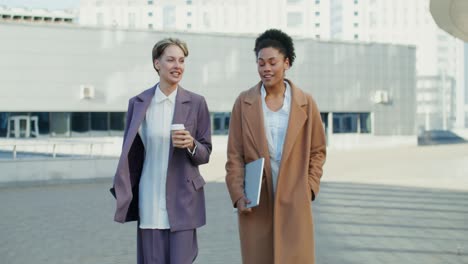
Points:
x=159 y=47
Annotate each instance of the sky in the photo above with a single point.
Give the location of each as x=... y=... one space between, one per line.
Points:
x=48 y=4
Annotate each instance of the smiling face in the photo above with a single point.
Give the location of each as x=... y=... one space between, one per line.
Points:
x=271 y=65
x=170 y=65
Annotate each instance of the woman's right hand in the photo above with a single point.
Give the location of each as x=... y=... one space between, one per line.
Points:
x=241 y=205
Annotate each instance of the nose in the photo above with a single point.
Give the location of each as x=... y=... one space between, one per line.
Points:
x=266 y=68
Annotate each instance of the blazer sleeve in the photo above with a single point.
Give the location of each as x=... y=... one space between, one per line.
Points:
x=128 y=119
x=235 y=155
x=127 y=125
x=318 y=148
x=202 y=138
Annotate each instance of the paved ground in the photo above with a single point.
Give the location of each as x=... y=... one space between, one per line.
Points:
x=361 y=216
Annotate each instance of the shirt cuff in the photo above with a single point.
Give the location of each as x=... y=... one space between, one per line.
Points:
x=192 y=152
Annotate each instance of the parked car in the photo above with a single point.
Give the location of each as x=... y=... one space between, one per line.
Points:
x=438 y=137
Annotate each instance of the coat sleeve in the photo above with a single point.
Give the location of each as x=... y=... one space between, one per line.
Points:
x=235 y=155
x=318 y=149
x=202 y=138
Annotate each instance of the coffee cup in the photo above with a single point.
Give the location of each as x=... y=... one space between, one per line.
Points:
x=176 y=127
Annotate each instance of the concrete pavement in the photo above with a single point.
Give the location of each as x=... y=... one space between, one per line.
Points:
x=362 y=215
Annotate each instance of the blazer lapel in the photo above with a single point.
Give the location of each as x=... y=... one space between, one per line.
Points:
x=181 y=111
x=140 y=106
x=297 y=118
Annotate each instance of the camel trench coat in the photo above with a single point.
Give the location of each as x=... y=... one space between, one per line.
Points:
x=280 y=229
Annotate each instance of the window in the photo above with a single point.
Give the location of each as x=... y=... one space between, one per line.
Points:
x=150 y=26
x=364 y=122
x=317 y=2
x=99 y=121
x=80 y=123
x=43 y=121
x=189 y=2
x=59 y=124
x=356 y=13
x=131 y=20
x=221 y=123
x=317 y=36
x=150 y=14
x=150 y=2
x=189 y=13
x=206 y=20
x=189 y=26
x=169 y=17
x=99 y=19
x=356 y=36
x=117 y=121
x=317 y=13
x=356 y=25
x=344 y=123
x=317 y=25
x=351 y=123
x=355 y=2
x=294 y=19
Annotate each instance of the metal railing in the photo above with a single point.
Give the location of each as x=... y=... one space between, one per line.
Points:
x=55 y=150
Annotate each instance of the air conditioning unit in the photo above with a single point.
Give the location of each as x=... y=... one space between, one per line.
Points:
x=381 y=97
x=86 y=92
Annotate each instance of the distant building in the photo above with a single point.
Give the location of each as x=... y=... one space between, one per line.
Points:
x=435 y=98
x=408 y=23
x=26 y=15
x=306 y=18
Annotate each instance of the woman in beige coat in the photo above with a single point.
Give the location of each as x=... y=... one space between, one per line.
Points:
x=281 y=123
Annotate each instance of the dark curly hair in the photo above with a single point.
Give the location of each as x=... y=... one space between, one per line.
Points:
x=275 y=38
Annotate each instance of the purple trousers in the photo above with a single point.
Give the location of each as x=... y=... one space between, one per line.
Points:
x=161 y=246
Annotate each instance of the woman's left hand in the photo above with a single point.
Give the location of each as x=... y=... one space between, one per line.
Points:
x=182 y=139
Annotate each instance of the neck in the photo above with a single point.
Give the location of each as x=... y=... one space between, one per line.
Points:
x=276 y=90
x=167 y=88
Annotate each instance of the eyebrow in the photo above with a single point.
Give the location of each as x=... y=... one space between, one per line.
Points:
x=173 y=57
x=270 y=58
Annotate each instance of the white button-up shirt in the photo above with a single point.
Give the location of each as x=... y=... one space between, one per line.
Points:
x=156 y=136
x=276 y=125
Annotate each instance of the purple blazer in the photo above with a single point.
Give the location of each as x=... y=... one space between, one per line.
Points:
x=185 y=198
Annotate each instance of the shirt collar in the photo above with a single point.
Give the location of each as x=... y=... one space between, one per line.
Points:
x=159 y=96
x=287 y=97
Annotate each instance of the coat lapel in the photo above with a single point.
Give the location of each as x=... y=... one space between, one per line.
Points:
x=297 y=118
x=255 y=125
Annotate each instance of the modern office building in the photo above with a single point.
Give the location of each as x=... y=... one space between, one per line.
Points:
x=408 y=23
x=309 y=18
x=77 y=81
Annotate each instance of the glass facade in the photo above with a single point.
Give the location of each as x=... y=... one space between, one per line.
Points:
x=92 y=124
x=61 y=124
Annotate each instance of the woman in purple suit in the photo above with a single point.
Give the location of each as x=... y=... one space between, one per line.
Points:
x=157 y=182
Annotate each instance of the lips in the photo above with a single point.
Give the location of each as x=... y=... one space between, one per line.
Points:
x=176 y=73
x=267 y=76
